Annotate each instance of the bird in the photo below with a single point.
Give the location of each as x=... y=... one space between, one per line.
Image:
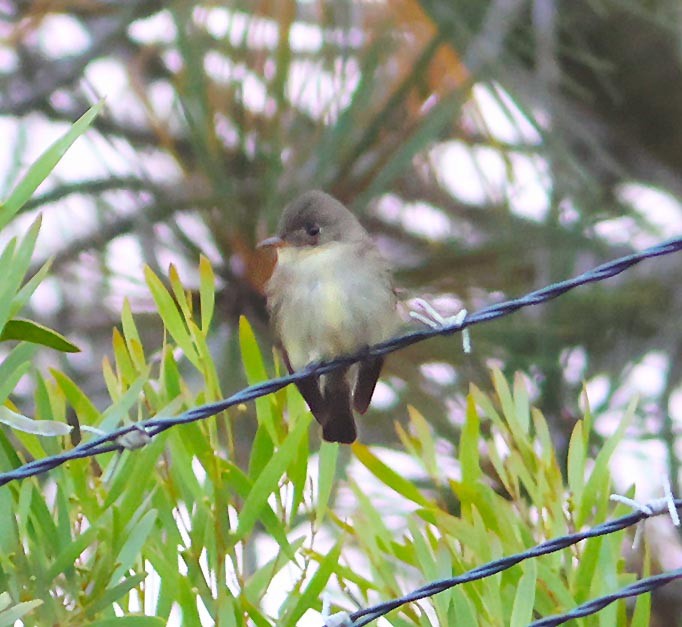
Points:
x=330 y=294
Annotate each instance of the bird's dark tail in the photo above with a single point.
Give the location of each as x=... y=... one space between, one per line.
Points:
x=338 y=424
x=368 y=374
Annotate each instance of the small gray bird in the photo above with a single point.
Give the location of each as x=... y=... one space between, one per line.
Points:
x=330 y=294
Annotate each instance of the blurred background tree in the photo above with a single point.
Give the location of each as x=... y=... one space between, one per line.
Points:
x=491 y=147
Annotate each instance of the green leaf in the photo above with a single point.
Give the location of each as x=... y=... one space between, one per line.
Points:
x=261 y=451
x=168 y=310
x=42 y=167
x=318 y=582
x=576 y=463
x=388 y=476
x=22 y=296
x=522 y=611
x=268 y=481
x=130 y=621
x=258 y=583
x=115 y=593
x=14 y=261
x=469 y=443
x=243 y=486
x=85 y=409
x=35 y=333
x=206 y=292
x=132 y=337
x=599 y=480
x=641 y=617
x=254 y=367
x=326 y=471
x=424 y=438
x=15 y=366
x=67 y=556
x=36 y=427
x=182 y=298
x=9 y=616
x=118 y=412
x=521 y=403
x=130 y=551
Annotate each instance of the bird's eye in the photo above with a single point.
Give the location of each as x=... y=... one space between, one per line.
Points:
x=312 y=229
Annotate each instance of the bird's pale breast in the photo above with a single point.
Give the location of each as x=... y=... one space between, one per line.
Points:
x=330 y=300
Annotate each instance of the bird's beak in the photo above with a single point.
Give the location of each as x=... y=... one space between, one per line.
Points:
x=272 y=242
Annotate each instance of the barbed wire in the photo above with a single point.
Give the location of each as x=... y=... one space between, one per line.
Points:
x=368 y=615
x=644 y=585
x=153 y=426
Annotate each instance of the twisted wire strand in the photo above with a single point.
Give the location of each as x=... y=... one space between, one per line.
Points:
x=155 y=425
x=367 y=615
x=647 y=584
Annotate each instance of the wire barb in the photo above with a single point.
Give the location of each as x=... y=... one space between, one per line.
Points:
x=153 y=426
x=368 y=615
x=647 y=584
x=138 y=434
x=434 y=320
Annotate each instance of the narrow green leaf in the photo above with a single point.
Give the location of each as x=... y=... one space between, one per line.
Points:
x=584 y=574
x=524 y=600
x=168 y=310
x=297 y=472
x=426 y=560
x=261 y=451
x=131 y=335
x=36 y=427
x=131 y=621
x=206 y=292
x=118 y=412
x=599 y=479
x=182 y=298
x=124 y=363
x=424 y=438
x=170 y=375
x=310 y=596
x=641 y=617
x=463 y=609
x=268 y=480
x=258 y=583
x=67 y=556
x=35 y=333
x=243 y=486
x=521 y=403
x=42 y=167
x=22 y=296
x=14 y=262
x=85 y=409
x=206 y=362
x=254 y=367
x=115 y=593
x=468 y=444
x=255 y=614
x=389 y=477
x=14 y=366
x=576 y=463
x=326 y=471
x=130 y=551
x=9 y=616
